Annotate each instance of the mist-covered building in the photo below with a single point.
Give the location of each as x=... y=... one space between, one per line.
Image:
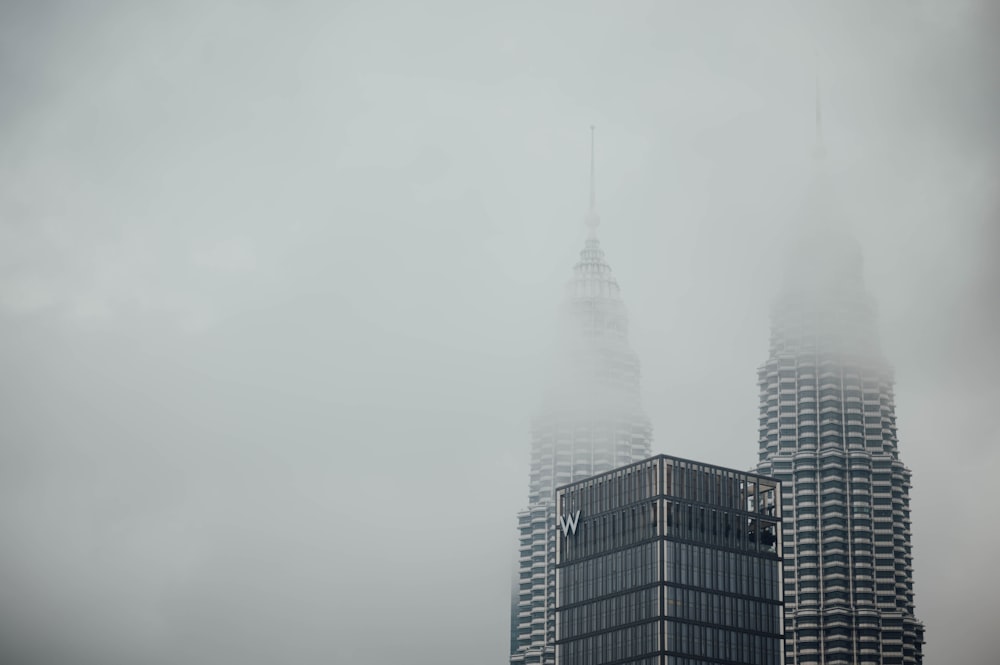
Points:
x=669 y=562
x=590 y=420
x=828 y=432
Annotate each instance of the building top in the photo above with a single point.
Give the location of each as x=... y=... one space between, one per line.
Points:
x=766 y=482
x=593 y=220
x=592 y=277
x=824 y=257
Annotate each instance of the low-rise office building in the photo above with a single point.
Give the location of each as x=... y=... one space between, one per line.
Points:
x=669 y=562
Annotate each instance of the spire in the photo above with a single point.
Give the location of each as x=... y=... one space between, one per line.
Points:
x=593 y=220
x=824 y=254
x=820 y=149
x=819 y=199
x=593 y=178
x=592 y=274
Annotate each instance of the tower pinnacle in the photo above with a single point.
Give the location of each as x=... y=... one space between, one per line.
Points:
x=820 y=149
x=593 y=220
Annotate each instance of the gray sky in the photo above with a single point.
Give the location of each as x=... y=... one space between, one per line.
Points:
x=276 y=280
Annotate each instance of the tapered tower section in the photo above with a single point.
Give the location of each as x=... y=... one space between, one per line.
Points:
x=828 y=432
x=590 y=421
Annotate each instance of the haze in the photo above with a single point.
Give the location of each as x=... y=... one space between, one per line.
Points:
x=277 y=281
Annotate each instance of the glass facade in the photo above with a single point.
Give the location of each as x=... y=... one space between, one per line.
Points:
x=669 y=561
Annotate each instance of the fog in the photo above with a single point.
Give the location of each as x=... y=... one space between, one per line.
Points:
x=277 y=282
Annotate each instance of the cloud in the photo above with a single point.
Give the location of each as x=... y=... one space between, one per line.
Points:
x=276 y=281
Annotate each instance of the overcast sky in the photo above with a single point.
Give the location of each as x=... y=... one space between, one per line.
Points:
x=277 y=279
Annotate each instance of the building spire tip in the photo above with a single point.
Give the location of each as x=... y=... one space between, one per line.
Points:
x=593 y=179
x=592 y=219
x=820 y=148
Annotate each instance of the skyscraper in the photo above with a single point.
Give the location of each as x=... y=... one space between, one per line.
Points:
x=669 y=562
x=590 y=421
x=828 y=432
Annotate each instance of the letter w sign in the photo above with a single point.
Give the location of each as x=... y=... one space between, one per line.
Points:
x=568 y=524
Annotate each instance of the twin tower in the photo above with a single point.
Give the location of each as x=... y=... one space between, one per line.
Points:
x=827 y=431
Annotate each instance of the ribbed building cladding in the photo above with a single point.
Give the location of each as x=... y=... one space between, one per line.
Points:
x=590 y=421
x=828 y=432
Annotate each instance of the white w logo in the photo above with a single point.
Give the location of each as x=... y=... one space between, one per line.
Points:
x=568 y=524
